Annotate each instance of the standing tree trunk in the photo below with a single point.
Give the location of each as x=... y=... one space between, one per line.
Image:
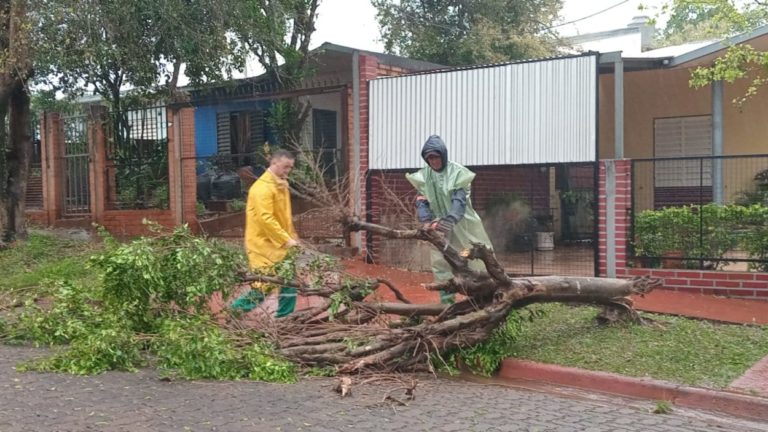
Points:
x=17 y=165
x=15 y=71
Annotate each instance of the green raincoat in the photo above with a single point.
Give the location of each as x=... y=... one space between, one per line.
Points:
x=437 y=187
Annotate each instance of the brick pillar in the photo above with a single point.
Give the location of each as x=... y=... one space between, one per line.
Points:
x=369 y=68
x=615 y=200
x=183 y=176
x=51 y=158
x=97 y=146
x=175 y=196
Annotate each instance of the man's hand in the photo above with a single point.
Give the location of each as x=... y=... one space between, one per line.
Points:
x=291 y=243
x=445 y=226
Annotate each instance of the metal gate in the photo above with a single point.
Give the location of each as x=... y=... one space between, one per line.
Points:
x=76 y=165
x=540 y=218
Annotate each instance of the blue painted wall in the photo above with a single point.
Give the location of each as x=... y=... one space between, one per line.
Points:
x=205 y=123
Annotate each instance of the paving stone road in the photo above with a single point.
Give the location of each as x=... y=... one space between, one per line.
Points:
x=142 y=402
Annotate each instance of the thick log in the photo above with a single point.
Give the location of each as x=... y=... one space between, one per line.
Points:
x=359 y=337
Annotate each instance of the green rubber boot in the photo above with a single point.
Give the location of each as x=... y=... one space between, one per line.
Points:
x=446 y=298
x=286 y=302
x=248 y=301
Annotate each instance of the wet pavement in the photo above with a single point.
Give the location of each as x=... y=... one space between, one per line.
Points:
x=121 y=401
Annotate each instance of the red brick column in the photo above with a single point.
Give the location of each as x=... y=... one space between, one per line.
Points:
x=52 y=172
x=615 y=189
x=98 y=166
x=369 y=69
x=184 y=119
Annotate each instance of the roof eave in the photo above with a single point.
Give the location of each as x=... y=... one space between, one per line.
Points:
x=718 y=46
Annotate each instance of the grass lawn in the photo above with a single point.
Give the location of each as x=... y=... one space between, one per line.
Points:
x=681 y=350
x=45 y=257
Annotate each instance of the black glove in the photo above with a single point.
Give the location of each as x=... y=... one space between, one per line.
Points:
x=445 y=225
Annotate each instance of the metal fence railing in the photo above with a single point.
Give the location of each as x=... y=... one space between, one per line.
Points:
x=34 y=193
x=700 y=213
x=76 y=165
x=540 y=218
x=137 y=159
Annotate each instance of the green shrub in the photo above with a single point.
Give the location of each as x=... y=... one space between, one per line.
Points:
x=708 y=231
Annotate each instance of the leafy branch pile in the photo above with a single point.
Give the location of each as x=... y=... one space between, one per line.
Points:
x=150 y=308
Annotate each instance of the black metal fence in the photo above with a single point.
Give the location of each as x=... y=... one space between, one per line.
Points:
x=76 y=165
x=137 y=159
x=540 y=218
x=34 y=194
x=700 y=213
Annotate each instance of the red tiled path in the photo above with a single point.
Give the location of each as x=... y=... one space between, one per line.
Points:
x=703 y=306
x=662 y=301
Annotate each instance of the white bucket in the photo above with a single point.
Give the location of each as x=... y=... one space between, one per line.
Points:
x=545 y=241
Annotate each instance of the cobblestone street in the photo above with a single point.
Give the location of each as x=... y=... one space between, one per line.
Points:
x=142 y=402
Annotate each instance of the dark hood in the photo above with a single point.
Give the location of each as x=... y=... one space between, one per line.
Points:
x=435 y=144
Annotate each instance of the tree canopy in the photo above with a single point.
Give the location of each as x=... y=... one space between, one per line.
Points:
x=707 y=19
x=110 y=45
x=465 y=32
x=693 y=20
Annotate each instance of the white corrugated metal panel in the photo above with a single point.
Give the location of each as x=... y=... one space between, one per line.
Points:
x=520 y=113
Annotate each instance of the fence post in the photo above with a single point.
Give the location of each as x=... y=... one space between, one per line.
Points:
x=98 y=157
x=610 y=217
x=615 y=200
x=175 y=179
x=53 y=180
x=184 y=119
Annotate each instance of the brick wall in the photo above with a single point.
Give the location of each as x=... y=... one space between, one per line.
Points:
x=730 y=284
x=182 y=180
x=127 y=223
x=37 y=217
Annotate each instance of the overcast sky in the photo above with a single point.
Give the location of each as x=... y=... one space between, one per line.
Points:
x=353 y=22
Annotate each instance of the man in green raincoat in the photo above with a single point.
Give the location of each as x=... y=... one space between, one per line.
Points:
x=443 y=204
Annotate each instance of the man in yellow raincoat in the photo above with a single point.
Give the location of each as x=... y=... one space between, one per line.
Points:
x=269 y=231
x=443 y=204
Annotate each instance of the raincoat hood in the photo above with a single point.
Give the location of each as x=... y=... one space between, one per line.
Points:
x=435 y=144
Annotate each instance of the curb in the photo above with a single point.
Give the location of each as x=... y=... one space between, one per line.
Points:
x=740 y=405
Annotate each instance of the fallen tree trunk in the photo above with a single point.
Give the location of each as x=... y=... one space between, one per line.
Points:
x=345 y=331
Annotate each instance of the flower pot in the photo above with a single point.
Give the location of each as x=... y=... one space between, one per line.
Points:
x=545 y=241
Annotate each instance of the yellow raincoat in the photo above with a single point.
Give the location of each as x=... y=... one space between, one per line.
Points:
x=268 y=221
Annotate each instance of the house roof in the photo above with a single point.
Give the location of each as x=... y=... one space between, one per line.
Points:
x=334 y=71
x=388 y=59
x=680 y=55
x=719 y=45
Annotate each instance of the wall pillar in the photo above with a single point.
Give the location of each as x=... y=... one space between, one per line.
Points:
x=183 y=176
x=52 y=170
x=614 y=205
x=97 y=149
x=366 y=68
x=717 y=141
